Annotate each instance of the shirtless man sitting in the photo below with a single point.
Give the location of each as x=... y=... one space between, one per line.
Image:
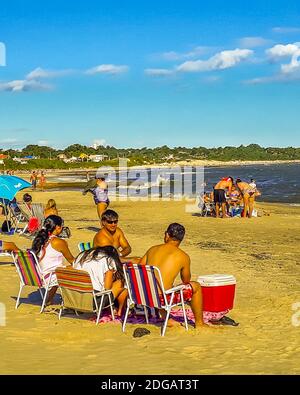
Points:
x=220 y=194
x=111 y=235
x=171 y=261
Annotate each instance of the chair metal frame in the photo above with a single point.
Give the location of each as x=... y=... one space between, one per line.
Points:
x=43 y=281
x=94 y=294
x=158 y=285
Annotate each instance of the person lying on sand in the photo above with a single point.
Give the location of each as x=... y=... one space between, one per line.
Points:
x=111 y=235
x=171 y=261
x=7 y=246
x=106 y=272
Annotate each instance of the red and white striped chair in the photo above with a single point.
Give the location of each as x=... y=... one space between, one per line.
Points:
x=145 y=290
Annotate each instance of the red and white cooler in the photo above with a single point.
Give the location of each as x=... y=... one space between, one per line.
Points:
x=218 y=291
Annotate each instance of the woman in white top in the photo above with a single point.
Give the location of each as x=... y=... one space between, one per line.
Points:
x=51 y=250
x=105 y=269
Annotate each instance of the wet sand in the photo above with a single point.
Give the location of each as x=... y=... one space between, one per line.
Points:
x=262 y=253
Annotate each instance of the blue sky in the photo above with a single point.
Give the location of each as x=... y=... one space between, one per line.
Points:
x=141 y=73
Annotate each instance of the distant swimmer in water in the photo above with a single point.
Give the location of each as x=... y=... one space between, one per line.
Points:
x=98 y=187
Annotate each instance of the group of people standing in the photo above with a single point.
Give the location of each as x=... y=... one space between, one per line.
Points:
x=36 y=178
x=229 y=192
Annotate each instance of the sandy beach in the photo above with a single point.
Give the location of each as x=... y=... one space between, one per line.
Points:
x=262 y=253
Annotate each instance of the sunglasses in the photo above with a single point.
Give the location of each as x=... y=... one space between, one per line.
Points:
x=112 y=222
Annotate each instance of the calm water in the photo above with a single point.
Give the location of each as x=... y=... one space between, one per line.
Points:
x=277 y=183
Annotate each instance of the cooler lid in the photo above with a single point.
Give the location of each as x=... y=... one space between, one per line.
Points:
x=214 y=280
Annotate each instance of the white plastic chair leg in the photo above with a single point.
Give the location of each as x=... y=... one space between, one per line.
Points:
x=183 y=310
x=146 y=314
x=125 y=318
x=19 y=295
x=99 y=311
x=111 y=307
x=166 y=321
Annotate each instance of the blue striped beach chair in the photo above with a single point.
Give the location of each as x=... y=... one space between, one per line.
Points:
x=84 y=246
x=145 y=290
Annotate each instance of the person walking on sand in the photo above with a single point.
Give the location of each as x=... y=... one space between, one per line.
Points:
x=42 y=181
x=111 y=234
x=33 y=179
x=172 y=261
x=220 y=190
x=248 y=193
x=99 y=189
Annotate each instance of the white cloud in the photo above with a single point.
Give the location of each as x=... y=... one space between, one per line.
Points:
x=8 y=141
x=174 y=56
x=41 y=73
x=24 y=86
x=158 y=72
x=293 y=66
x=286 y=29
x=211 y=79
x=280 y=50
x=43 y=142
x=98 y=142
x=220 y=61
x=108 y=69
x=252 y=42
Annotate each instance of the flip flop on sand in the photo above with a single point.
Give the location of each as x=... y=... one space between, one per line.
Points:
x=224 y=321
x=139 y=332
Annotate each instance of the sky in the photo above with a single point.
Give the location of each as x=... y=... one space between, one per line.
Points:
x=132 y=73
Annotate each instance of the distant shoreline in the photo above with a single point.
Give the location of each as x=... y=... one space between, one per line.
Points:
x=192 y=163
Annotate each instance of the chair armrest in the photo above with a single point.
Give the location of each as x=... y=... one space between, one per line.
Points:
x=174 y=289
x=105 y=292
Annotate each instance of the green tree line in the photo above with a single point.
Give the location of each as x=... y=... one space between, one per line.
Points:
x=48 y=157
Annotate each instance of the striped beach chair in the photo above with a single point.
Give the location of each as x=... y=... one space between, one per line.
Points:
x=84 y=246
x=145 y=290
x=30 y=274
x=78 y=294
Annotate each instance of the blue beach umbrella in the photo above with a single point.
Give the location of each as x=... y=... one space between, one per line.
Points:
x=9 y=186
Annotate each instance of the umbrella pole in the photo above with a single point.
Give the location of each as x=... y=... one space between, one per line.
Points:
x=6 y=215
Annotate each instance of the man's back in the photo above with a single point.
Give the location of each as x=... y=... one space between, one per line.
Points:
x=171 y=261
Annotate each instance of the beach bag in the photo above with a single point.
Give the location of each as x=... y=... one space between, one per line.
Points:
x=33 y=225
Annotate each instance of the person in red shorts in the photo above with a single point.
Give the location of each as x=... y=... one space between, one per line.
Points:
x=171 y=261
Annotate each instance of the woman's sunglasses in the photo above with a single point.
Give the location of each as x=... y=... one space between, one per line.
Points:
x=112 y=222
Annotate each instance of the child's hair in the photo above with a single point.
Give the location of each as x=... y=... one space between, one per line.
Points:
x=51 y=204
x=107 y=251
x=27 y=198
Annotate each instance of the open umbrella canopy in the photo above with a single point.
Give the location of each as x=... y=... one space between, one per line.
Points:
x=10 y=185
